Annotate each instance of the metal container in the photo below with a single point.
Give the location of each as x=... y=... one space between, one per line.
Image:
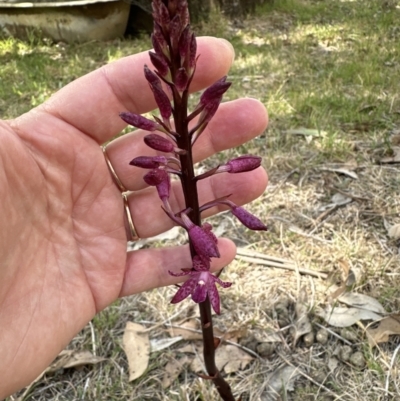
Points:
x=67 y=21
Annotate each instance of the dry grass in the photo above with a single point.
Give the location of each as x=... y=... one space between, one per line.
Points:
x=320 y=65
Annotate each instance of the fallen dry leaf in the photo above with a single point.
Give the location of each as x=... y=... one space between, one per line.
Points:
x=232 y=358
x=231 y=335
x=337 y=291
x=390 y=325
x=228 y=358
x=158 y=344
x=302 y=324
x=343 y=171
x=394 y=231
x=136 y=345
x=73 y=359
x=173 y=369
x=187 y=330
x=346 y=317
x=283 y=378
x=361 y=301
x=189 y=348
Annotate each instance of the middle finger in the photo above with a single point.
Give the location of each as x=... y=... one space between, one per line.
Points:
x=235 y=123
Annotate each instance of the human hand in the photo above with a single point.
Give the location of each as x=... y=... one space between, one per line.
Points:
x=63 y=239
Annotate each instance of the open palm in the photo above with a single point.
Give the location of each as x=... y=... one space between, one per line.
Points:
x=62 y=239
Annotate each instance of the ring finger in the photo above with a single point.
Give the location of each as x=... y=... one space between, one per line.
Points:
x=150 y=219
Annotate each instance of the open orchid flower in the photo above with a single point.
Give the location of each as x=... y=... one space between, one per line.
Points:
x=200 y=284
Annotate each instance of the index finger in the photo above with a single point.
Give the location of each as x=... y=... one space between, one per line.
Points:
x=93 y=102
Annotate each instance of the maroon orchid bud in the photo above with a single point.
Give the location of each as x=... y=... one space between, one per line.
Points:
x=181 y=80
x=159 y=63
x=151 y=77
x=184 y=42
x=160 y=96
x=240 y=164
x=247 y=219
x=183 y=11
x=193 y=51
x=149 y=162
x=155 y=6
x=138 y=121
x=157 y=142
x=214 y=92
x=155 y=177
x=171 y=5
x=209 y=111
x=164 y=188
x=160 y=45
x=161 y=14
x=175 y=29
x=163 y=102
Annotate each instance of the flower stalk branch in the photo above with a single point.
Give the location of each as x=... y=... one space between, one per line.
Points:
x=174 y=58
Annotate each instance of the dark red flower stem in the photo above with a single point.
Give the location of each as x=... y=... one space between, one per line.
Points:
x=224 y=389
x=189 y=185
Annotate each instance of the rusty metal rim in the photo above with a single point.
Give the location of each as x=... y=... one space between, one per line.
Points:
x=53 y=4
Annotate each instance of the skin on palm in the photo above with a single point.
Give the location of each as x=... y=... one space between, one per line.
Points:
x=64 y=250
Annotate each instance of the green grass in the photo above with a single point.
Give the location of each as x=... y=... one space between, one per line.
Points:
x=332 y=66
x=31 y=71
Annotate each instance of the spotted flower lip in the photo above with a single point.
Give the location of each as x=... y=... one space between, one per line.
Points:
x=203 y=239
x=200 y=284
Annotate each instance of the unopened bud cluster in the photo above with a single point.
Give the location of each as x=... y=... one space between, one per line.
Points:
x=174 y=59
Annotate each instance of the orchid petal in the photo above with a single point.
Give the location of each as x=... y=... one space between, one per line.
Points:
x=185 y=290
x=213 y=295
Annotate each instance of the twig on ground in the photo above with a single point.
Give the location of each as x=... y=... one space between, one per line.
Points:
x=164 y=323
x=324 y=215
x=390 y=370
x=93 y=338
x=348 y=194
x=271 y=261
x=176 y=326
